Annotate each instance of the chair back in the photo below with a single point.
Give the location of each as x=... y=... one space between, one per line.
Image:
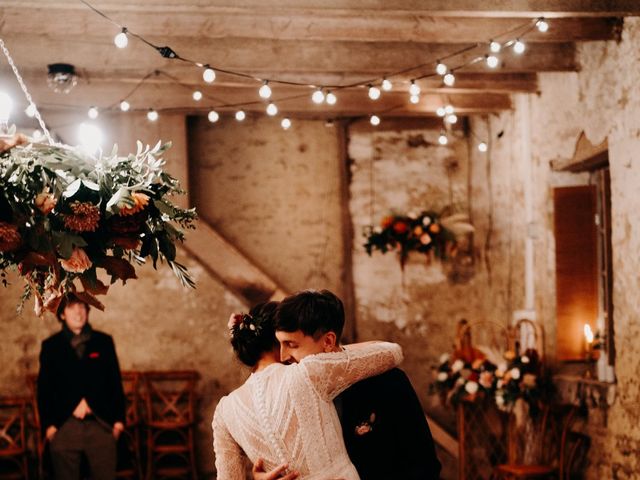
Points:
x=131 y=387
x=12 y=425
x=170 y=398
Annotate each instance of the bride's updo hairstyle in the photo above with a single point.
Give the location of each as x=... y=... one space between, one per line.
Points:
x=253 y=334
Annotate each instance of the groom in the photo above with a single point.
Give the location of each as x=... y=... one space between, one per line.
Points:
x=383 y=425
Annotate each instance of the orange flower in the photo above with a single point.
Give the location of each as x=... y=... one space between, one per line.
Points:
x=85 y=217
x=140 y=201
x=417 y=231
x=45 y=202
x=10 y=238
x=425 y=239
x=434 y=228
x=400 y=227
x=386 y=222
x=78 y=262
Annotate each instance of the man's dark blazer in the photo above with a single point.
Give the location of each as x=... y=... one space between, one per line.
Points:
x=385 y=430
x=64 y=380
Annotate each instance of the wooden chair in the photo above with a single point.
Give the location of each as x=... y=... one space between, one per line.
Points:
x=129 y=458
x=13 y=448
x=34 y=427
x=553 y=431
x=170 y=406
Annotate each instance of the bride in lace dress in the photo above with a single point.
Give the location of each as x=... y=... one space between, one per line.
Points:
x=285 y=413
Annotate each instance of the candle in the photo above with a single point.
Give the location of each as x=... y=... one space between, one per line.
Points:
x=588 y=336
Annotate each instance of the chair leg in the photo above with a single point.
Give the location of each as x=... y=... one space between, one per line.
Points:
x=192 y=455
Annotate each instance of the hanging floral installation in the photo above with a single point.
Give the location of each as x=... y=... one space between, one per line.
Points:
x=65 y=215
x=428 y=233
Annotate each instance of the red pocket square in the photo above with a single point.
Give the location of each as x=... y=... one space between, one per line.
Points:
x=94 y=355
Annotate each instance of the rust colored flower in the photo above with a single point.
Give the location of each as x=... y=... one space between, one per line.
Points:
x=128 y=243
x=128 y=225
x=78 y=262
x=425 y=239
x=400 y=227
x=10 y=238
x=85 y=217
x=529 y=380
x=417 y=231
x=434 y=228
x=486 y=379
x=45 y=202
x=140 y=202
x=386 y=222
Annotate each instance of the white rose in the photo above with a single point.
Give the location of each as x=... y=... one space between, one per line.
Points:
x=426 y=221
x=444 y=358
x=500 y=401
x=515 y=373
x=524 y=359
x=471 y=387
x=442 y=376
x=457 y=365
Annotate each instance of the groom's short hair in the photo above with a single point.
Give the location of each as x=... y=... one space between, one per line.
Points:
x=311 y=311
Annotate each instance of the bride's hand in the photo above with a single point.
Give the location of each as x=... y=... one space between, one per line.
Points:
x=278 y=473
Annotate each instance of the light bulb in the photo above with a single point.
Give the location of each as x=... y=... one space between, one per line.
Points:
x=30 y=111
x=37 y=135
x=90 y=137
x=272 y=109
x=213 y=116
x=124 y=106
x=197 y=95
x=441 y=112
x=441 y=68
x=265 y=91
x=209 y=75
x=93 y=113
x=453 y=118
x=152 y=115
x=495 y=46
x=449 y=79
x=317 y=97
x=386 y=85
x=448 y=109
x=331 y=98
x=482 y=147
x=414 y=98
x=519 y=47
x=375 y=120
x=442 y=139
x=121 y=40
x=240 y=115
x=374 y=92
x=285 y=123
x=414 y=89
x=492 y=61
x=542 y=25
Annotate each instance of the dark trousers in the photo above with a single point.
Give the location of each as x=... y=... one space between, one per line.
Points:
x=89 y=437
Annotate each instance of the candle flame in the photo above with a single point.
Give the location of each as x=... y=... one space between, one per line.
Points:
x=588 y=333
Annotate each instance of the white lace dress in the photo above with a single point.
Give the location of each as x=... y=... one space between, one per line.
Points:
x=285 y=413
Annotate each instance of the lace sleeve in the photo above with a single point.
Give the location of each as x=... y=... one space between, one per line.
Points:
x=331 y=373
x=229 y=455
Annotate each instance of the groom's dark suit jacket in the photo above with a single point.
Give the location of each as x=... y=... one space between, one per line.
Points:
x=385 y=430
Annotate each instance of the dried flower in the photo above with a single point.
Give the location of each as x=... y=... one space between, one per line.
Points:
x=425 y=239
x=471 y=387
x=444 y=358
x=486 y=379
x=386 y=222
x=45 y=202
x=400 y=227
x=515 y=373
x=85 y=217
x=140 y=201
x=434 y=228
x=78 y=262
x=417 y=231
x=10 y=238
x=426 y=221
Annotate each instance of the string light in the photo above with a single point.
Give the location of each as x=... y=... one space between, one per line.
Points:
x=272 y=109
x=209 y=75
x=448 y=109
x=449 y=79
x=90 y=137
x=331 y=99
x=492 y=61
x=494 y=46
x=124 y=106
x=441 y=68
x=317 y=97
x=37 y=135
x=414 y=89
x=414 y=98
x=441 y=112
x=213 y=116
x=386 y=85
x=240 y=115
x=482 y=147
x=265 y=91
x=30 y=111
x=121 y=40
x=93 y=113
x=519 y=47
x=197 y=95
x=375 y=120
x=453 y=118
x=152 y=115
x=374 y=92
x=285 y=123
x=542 y=25
x=442 y=139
